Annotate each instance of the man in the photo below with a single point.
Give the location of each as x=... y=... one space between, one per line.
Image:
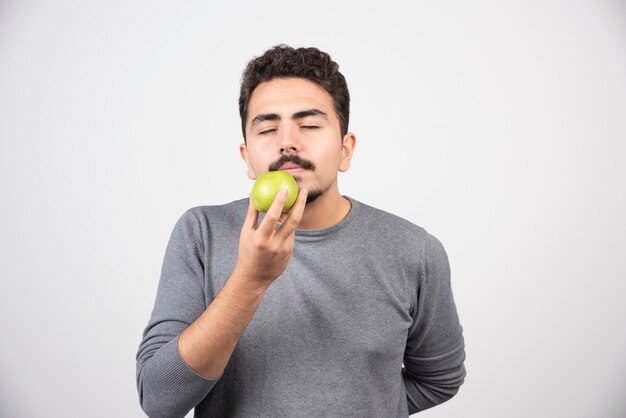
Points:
x=333 y=309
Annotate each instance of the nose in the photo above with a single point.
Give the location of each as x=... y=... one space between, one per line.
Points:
x=288 y=150
x=288 y=142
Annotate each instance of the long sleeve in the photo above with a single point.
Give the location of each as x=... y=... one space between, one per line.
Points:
x=435 y=351
x=167 y=386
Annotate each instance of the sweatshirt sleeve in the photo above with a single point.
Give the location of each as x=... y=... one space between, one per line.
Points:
x=167 y=386
x=435 y=352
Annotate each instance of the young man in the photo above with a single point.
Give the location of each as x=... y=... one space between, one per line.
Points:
x=309 y=313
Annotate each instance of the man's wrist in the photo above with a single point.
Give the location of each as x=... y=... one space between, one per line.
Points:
x=248 y=282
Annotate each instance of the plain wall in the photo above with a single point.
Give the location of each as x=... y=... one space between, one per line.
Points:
x=499 y=126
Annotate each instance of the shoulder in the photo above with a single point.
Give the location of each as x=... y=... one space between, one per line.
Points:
x=201 y=219
x=397 y=232
x=383 y=222
x=226 y=211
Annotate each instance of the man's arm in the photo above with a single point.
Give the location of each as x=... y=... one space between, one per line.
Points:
x=185 y=347
x=435 y=350
x=208 y=343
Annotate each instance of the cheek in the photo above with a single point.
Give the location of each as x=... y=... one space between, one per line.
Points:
x=328 y=164
x=258 y=159
x=329 y=153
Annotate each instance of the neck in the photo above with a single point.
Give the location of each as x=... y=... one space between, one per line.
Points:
x=327 y=210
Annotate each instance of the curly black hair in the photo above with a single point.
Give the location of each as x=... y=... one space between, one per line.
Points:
x=308 y=63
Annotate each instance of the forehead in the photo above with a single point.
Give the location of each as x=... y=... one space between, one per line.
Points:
x=287 y=96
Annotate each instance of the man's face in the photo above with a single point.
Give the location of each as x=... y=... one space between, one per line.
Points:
x=292 y=126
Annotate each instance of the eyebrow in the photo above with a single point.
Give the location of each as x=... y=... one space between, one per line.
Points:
x=310 y=112
x=298 y=115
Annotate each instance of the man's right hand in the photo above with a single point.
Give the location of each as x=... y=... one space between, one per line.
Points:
x=265 y=250
x=207 y=344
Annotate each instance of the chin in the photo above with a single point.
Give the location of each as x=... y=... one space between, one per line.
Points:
x=313 y=195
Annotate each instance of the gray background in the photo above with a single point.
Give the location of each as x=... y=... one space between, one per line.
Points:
x=497 y=125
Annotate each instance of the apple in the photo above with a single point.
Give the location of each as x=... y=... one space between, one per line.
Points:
x=267 y=186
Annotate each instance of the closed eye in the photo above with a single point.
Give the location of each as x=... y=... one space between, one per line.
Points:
x=309 y=127
x=267 y=131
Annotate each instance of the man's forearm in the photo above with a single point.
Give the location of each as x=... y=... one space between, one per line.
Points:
x=264 y=252
x=208 y=343
x=432 y=381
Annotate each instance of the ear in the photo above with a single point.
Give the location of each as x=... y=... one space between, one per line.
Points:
x=243 y=151
x=347 y=149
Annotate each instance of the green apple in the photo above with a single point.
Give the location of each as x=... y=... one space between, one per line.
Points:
x=267 y=186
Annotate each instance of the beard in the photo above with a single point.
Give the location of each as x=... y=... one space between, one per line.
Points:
x=313 y=195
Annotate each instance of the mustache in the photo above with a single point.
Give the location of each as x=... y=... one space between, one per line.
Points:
x=292 y=158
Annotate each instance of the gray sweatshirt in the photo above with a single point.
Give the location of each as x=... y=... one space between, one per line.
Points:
x=362 y=323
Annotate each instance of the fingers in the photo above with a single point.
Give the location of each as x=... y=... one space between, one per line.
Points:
x=268 y=225
x=252 y=217
x=295 y=215
x=282 y=218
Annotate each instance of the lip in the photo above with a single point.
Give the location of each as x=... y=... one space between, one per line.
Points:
x=291 y=167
